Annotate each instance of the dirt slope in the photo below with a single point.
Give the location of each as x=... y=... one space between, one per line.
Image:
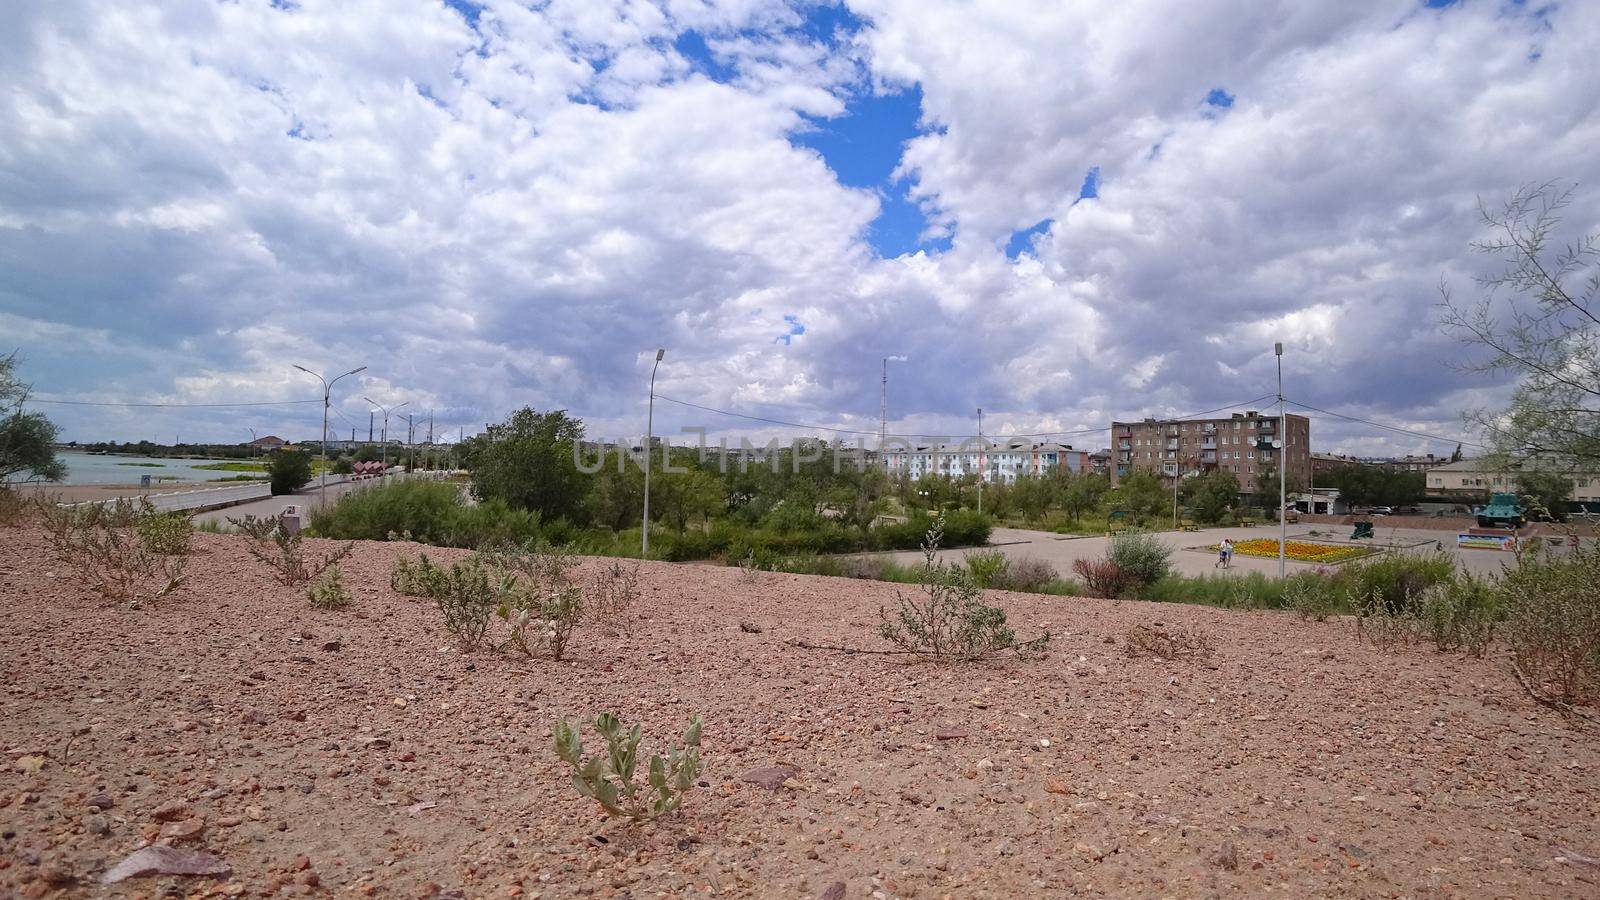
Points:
x=1296 y=762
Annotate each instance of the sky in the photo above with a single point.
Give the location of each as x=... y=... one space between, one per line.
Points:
x=1063 y=212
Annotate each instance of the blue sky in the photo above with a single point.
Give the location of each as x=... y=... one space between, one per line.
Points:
x=1059 y=211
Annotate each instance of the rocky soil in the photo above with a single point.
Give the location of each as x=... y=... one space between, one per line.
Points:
x=312 y=752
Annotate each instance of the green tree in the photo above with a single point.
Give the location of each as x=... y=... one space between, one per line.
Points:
x=527 y=461
x=1266 y=492
x=1211 y=496
x=679 y=497
x=616 y=499
x=1032 y=495
x=1080 y=492
x=289 y=470
x=1545 y=492
x=1144 y=497
x=1539 y=319
x=26 y=438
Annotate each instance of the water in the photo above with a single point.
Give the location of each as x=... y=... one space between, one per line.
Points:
x=86 y=468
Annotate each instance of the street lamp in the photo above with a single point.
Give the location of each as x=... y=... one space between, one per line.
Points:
x=253 y=439
x=327 y=392
x=385 y=428
x=649 y=438
x=981 y=472
x=1283 y=462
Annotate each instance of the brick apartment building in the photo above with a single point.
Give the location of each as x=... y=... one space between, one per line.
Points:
x=1241 y=444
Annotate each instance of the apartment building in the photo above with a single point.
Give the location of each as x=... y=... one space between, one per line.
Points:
x=1475 y=479
x=1241 y=443
x=1327 y=462
x=1000 y=462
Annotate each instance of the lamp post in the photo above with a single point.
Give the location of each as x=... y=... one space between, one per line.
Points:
x=980 y=461
x=385 y=412
x=649 y=438
x=253 y=439
x=1283 y=462
x=327 y=392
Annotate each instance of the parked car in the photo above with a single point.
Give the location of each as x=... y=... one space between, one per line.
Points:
x=1383 y=511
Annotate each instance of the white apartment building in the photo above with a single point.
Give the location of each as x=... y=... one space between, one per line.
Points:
x=1476 y=477
x=999 y=462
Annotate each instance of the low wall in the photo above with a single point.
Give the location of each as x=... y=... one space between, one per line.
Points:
x=1450 y=524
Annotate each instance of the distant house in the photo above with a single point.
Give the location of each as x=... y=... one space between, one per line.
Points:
x=270 y=442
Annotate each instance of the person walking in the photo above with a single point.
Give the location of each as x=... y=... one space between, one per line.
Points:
x=1224 y=555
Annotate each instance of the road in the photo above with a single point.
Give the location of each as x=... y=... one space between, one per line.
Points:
x=306 y=499
x=1190 y=556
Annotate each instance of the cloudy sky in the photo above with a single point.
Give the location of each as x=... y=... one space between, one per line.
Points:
x=1061 y=211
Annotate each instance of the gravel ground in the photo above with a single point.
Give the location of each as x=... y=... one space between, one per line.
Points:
x=1294 y=762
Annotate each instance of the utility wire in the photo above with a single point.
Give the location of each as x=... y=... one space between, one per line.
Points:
x=1106 y=429
x=169 y=405
x=1405 y=431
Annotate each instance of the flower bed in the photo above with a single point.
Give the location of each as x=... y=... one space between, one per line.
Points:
x=1300 y=551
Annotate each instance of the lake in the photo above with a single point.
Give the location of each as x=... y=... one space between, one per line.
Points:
x=87 y=468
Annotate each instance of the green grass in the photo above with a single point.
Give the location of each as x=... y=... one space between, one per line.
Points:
x=235 y=467
x=145 y=465
x=261 y=477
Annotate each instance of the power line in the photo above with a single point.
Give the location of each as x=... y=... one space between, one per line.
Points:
x=169 y=405
x=828 y=428
x=1405 y=431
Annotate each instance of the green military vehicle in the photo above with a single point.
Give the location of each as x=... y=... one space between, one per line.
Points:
x=1502 y=511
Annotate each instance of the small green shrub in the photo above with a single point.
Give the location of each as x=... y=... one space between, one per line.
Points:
x=102 y=543
x=1552 y=625
x=1140 y=556
x=609 y=778
x=987 y=568
x=271 y=542
x=1461 y=614
x=12 y=507
x=419 y=578
x=328 y=591
x=1396 y=580
x=949 y=621
x=1028 y=574
x=1314 y=595
x=541 y=622
x=610 y=595
x=468 y=596
x=168 y=534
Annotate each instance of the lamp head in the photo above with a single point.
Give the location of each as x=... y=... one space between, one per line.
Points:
x=660 y=353
x=1277 y=348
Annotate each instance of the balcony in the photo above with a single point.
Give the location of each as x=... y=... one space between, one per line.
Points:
x=1172 y=445
x=1209 y=443
x=1267 y=425
x=1124 y=445
x=1208 y=456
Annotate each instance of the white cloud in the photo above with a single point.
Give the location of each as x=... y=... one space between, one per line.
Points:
x=508 y=214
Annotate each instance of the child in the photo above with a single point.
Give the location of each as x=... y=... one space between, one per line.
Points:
x=1224 y=554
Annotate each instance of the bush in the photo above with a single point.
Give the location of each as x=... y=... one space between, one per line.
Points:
x=289 y=471
x=273 y=544
x=987 y=568
x=1104 y=578
x=168 y=534
x=328 y=592
x=609 y=778
x=102 y=543
x=950 y=621
x=1029 y=574
x=1314 y=595
x=1393 y=581
x=1250 y=590
x=430 y=512
x=417 y=579
x=542 y=621
x=468 y=595
x=1461 y=614
x=1552 y=625
x=611 y=593
x=1141 y=556
x=12 y=507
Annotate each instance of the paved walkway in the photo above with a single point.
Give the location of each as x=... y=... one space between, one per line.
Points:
x=1191 y=558
x=305 y=498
